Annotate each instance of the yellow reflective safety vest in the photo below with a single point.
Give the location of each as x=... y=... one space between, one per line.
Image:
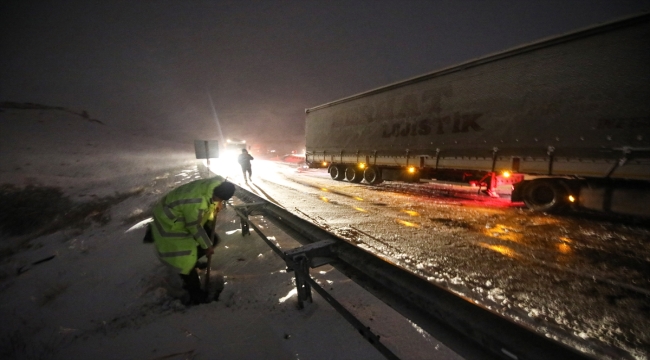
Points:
x=178 y=221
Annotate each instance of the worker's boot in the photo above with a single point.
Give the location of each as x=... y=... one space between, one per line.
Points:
x=217 y=284
x=199 y=297
x=192 y=285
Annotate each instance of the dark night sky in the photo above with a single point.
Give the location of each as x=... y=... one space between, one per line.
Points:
x=148 y=65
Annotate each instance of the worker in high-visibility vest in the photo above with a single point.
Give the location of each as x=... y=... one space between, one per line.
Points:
x=179 y=232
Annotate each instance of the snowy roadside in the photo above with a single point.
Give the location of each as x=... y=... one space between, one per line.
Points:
x=104 y=296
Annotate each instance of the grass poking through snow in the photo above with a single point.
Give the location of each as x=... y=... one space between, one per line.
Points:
x=39 y=210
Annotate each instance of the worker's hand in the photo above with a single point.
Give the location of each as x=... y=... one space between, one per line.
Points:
x=209 y=251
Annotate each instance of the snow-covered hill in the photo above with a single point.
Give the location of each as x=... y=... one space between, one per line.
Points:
x=67 y=150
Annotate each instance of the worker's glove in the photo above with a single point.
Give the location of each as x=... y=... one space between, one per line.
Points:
x=209 y=251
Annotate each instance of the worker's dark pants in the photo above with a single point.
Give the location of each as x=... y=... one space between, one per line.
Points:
x=246 y=169
x=192 y=284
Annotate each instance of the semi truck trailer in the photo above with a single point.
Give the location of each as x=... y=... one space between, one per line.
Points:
x=563 y=122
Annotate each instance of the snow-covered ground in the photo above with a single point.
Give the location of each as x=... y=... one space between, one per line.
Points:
x=96 y=291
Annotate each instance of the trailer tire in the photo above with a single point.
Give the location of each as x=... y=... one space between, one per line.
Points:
x=544 y=195
x=352 y=174
x=372 y=175
x=336 y=173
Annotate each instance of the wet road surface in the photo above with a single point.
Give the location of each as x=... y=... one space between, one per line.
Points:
x=582 y=280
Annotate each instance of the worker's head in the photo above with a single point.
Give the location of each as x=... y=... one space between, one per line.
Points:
x=244 y=151
x=223 y=192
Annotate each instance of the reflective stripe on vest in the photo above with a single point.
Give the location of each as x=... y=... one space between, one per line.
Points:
x=203 y=235
x=174 y=253
x=164 y=233
x=167 y=208
x=185 y=201
x=169 y=213
x=198 y=221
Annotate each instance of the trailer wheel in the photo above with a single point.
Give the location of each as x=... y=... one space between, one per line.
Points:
x=352 y=174
x=372 y=175
x=544 y=195
x=336 y=173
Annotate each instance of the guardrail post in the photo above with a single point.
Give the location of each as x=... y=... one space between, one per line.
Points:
x=301 y=271
x=246 y=210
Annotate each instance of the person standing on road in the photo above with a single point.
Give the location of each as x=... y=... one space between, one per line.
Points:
x=180 y=220
x=244 y=160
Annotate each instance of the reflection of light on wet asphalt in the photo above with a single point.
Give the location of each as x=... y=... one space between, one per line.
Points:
x=225 y=167
x=411 y=212
x=407 y=223
x=503 y=250
x=324 y=198
x=502 y=232
x=360 y=209
x=291 y=293
x=564 y=248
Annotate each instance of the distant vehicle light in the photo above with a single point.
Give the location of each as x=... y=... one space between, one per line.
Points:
x=324 y=163
x=506 y=174
x=571 y=198
x=411 y=169
x=362 y=166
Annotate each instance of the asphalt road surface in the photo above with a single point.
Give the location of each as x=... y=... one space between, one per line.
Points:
x=581 y=279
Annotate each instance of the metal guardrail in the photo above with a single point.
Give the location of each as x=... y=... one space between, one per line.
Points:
x=406 y=292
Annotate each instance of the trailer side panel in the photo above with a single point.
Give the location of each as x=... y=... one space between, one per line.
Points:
x=573 y=105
